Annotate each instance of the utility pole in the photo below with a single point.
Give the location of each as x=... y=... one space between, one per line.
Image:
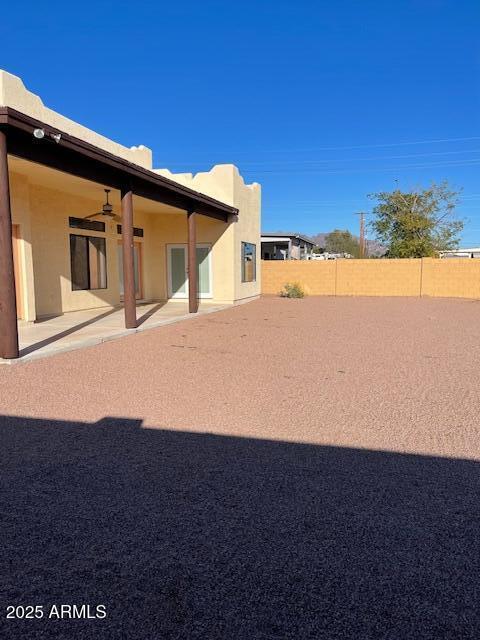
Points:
x=362 y=215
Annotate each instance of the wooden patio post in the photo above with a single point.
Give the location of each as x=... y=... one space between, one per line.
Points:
x=129 y=302
x=192 y=263
x=8 y=304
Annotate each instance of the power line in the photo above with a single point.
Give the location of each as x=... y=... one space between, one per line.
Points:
x=254 y=164
x=379 y=146
x=430 y=165
x=342 y=148
x=326 y=203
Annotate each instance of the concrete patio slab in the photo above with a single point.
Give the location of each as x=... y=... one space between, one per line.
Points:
x=94 y=326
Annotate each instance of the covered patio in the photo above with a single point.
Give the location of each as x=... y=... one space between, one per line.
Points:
x=93 y=326
x=37 y=142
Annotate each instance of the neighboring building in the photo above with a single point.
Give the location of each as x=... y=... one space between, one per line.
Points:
x=69 y=253
x=286 y=246
x=471 y=252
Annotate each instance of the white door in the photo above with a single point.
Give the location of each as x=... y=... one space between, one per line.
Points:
x=204 y=270
x=177 y=271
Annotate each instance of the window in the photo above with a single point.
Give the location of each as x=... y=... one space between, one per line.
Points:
x=88 y=225
x=136 y=231
x=249 y=262
x=88 y=262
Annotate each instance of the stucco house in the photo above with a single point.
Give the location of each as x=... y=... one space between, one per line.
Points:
x=86 y=223
x=286 y=246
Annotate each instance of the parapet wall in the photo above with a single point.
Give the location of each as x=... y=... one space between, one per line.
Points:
x=14 y=94
x=222 y=182
x=225 y=183
x=450 y=278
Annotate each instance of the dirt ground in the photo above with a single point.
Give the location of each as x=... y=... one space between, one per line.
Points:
x=282 y=469
x=397 y=374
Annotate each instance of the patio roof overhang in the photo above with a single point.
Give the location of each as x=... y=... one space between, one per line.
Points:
x=84 y=160
x=63 y=152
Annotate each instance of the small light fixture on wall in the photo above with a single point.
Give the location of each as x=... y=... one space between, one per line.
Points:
x=40 y=133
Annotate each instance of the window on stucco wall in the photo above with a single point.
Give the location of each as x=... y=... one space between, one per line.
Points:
x=249 y=262
x=88 y=260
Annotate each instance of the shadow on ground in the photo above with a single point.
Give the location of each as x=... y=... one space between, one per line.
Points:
x=186 y=535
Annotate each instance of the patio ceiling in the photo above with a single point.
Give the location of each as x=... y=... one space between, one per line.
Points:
x=74 y=156
x=79 y=187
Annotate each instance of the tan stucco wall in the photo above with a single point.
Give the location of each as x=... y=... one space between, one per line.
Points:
x=20 y=203
x=172 y=229
x=43 y=211
x=225 y=183
x=51 y=254
x=42 y=214
x=457 y=278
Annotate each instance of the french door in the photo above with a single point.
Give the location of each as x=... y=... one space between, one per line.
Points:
x=177 y=270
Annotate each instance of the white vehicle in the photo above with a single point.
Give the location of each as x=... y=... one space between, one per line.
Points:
x=329 y=256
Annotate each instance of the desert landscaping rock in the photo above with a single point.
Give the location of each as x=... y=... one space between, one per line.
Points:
x=284 y=469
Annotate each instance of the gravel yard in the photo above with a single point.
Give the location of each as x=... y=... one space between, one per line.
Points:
x=283 y=469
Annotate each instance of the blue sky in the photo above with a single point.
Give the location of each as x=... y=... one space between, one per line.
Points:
x=321 y=102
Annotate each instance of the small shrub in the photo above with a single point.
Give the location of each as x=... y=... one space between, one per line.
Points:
x=292 y=290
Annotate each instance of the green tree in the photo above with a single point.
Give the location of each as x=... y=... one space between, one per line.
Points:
x=418 y=223
x=339 y=241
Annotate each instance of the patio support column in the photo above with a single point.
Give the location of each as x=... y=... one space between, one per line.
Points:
x=8 y=304
x=192 y=262
x=129 y=303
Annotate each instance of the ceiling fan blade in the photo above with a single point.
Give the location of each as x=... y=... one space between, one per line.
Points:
x=94 y=215
x=113 y=216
